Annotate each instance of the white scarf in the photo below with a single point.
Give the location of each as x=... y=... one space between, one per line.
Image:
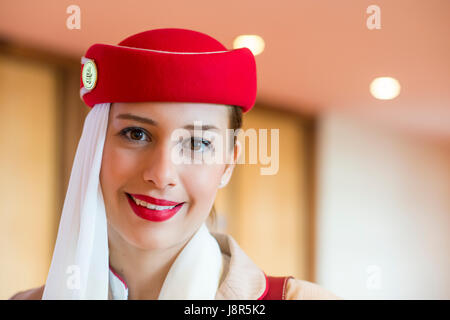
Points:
x=80 y=263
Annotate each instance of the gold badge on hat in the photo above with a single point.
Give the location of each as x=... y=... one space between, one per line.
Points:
x=89 y=74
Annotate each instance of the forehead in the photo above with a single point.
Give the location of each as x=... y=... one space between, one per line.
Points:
x=175 y=114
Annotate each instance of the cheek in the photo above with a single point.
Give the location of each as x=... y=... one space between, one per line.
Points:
x=201 y=183
x=118 y=167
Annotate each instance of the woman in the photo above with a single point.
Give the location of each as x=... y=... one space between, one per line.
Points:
x=143 y=183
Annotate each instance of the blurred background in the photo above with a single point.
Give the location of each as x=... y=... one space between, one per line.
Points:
x=361 y=200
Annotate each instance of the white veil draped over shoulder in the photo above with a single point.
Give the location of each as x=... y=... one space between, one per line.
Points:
x=80 y=256
x=80 y=263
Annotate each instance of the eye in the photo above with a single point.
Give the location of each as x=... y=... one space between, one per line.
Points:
x=197 y=144
x=135 y=134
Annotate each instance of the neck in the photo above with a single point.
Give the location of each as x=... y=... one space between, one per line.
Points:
x=144 y=271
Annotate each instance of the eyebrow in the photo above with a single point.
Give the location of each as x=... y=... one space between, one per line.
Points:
x=130 y=116
x=152 y=122
x=203 y=127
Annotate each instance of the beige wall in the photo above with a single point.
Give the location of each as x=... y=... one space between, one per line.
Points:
x=28 y=176
x=384 y=212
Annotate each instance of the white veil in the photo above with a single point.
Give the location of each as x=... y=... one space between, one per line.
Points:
x=79 y=268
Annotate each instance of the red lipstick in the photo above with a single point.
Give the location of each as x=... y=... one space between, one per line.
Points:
x=153 y=214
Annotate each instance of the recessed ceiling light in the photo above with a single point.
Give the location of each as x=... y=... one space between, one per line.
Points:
x=253 y=42
x=385 y=88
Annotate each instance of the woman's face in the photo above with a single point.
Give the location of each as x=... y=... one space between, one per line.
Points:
x=138 y=159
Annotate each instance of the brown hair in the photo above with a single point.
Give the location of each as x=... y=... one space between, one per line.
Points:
x=235 y=122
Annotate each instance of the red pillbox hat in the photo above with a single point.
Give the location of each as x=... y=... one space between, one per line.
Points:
x=172 y=65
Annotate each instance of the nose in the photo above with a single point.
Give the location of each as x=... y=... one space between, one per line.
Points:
x=159 y=169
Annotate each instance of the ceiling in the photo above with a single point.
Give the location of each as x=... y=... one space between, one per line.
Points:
x=319 y=55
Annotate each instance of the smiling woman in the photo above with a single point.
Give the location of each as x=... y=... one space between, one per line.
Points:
x=142 y=183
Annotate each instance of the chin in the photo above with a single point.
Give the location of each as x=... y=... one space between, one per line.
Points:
x=150 y=238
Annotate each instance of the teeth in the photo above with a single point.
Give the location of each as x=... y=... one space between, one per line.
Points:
x=151 y=206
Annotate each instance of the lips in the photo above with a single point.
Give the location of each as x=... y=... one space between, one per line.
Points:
x=152 y=214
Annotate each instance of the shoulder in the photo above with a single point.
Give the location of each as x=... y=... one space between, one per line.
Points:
x=297 y=289
x=31 y=294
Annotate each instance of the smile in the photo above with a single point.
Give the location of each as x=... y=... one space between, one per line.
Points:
x=149 y=205
x=162 y=211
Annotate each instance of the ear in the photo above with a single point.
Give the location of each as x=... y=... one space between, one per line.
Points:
x=229 y=167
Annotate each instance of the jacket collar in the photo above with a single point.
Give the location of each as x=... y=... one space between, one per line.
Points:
x=241 y=278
